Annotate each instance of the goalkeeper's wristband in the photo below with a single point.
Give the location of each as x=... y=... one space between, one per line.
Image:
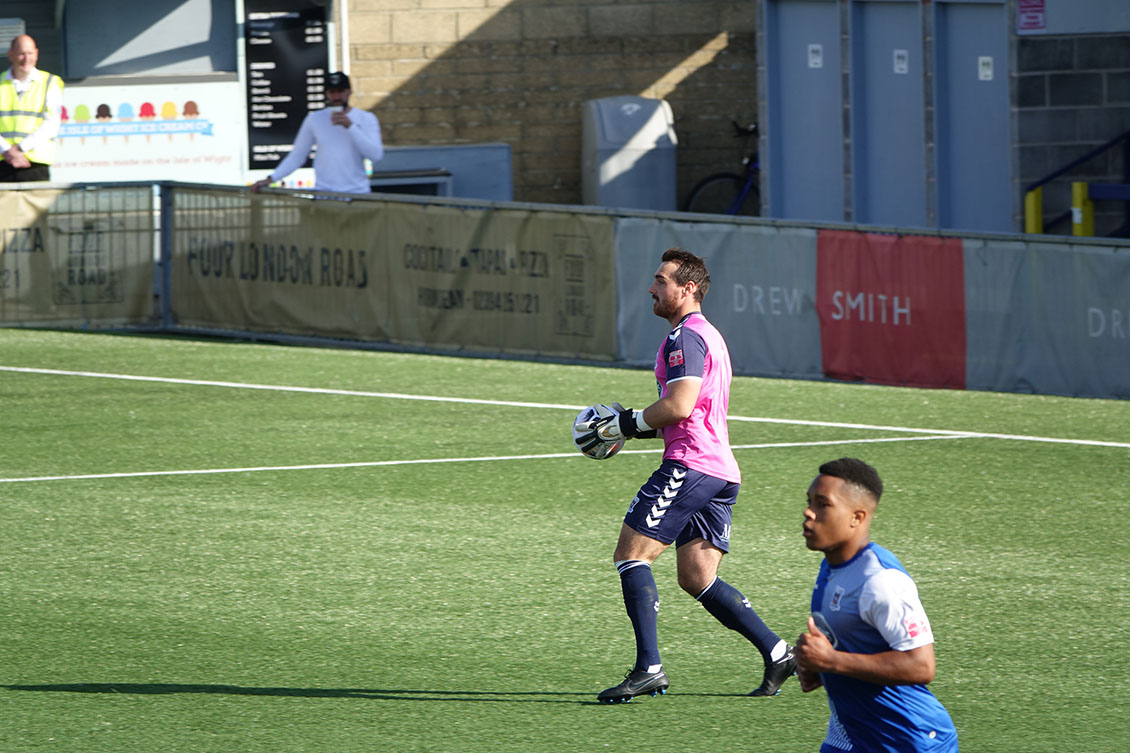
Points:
x=632 y=423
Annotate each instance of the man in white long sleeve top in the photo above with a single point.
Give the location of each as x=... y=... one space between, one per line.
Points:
x=344 y=135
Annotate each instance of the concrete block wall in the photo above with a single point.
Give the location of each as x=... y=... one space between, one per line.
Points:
x=1072 y=95
x=519 y=71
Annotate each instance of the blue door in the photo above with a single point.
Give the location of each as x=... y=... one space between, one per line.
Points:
x=804 y=97
x=972 y=115
x=888 y=128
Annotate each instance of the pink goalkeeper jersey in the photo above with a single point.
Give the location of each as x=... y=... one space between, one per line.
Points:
x=695 y=349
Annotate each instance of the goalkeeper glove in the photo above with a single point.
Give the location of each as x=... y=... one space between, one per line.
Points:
x=625 y=424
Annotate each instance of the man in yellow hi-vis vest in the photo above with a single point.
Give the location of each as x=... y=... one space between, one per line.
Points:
x=31 y=104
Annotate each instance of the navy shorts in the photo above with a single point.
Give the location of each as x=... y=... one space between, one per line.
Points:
x=678 y=504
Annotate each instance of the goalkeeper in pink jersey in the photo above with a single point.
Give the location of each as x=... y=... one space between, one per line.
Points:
x=688 y=500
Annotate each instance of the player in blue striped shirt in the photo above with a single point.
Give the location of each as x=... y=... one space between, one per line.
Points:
x=868 y=641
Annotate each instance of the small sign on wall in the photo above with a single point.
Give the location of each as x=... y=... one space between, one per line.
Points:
x=902 y=62
x=815 y=56
x=985 y=68
x=1031 y=16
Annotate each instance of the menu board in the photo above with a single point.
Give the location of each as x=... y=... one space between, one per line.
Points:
x=287 y=54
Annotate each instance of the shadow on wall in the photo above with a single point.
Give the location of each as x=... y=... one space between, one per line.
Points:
x=522 y=75
x=189 y=39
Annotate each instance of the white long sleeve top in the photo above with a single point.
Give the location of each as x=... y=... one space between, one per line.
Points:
x=339 y=161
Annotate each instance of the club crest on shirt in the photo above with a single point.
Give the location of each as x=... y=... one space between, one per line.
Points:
x=675 y=358
x=837 y=597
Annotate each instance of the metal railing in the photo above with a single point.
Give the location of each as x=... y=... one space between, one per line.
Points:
x=1078 y=213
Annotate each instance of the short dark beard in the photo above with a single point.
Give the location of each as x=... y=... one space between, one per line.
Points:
x=661 y=310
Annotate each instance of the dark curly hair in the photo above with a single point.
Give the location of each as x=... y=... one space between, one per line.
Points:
x=857 y=473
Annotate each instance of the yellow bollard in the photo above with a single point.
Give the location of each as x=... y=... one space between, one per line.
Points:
x=1034 y=211
x=1082 y=210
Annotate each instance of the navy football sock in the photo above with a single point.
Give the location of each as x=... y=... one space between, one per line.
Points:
x=641 y=598
x=734 y=611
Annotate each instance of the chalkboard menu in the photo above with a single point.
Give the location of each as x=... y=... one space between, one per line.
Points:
x=287 y=54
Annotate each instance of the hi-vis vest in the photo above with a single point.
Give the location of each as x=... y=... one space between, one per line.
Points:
x=21 y=116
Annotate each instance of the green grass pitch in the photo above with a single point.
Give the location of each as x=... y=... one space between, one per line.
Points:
x=401 y=556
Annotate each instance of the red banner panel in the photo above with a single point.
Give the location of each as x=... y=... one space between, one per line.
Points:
x=892 y=308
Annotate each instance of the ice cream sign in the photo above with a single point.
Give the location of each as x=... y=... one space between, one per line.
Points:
x=192 y=131
x=127 y=120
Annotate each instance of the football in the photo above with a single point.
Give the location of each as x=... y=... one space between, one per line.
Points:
x=583 y=438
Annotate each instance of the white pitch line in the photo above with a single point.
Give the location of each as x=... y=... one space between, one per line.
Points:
x=284 y=388
x=555 y=406
x=979 y=434
x=826 y=442
x=434 y=461
x=262 y=468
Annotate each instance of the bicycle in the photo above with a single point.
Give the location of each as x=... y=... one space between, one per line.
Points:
x=730 y=193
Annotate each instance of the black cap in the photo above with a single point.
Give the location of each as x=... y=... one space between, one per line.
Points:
x=337 y=81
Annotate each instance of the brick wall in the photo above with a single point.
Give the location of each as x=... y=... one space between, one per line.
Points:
x=471 y=71
x=1073 y=94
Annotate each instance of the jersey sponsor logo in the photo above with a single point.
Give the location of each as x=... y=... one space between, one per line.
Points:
x=837 y=598
x=675 y=358
x=916 y=625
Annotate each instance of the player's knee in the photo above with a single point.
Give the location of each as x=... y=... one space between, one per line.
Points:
x=693 y=582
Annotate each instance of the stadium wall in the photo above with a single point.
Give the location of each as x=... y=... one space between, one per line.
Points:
x=520 y=72
x=1007 y=313
x=987 y=312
